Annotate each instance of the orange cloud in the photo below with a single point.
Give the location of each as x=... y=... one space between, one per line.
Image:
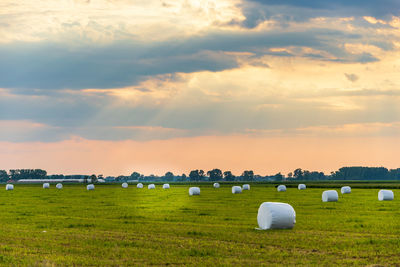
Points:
x=235 y=153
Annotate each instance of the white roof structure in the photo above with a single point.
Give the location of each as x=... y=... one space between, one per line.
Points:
x=276 y=215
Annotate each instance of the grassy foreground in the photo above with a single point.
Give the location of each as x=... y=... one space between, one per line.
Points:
x=115 y=226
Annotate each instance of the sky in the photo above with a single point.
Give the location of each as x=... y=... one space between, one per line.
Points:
x=115 y=86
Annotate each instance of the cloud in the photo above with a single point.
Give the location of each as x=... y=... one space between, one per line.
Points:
x=351 y=77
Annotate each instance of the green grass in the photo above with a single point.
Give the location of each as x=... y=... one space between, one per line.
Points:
x=115 y=226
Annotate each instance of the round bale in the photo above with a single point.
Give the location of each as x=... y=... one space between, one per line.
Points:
x=46 y=185
x=246 y=187
x=385 y=195
x=59 y=186
x=165 y=186
x=281 y=188
x=139 y=185
x=9 y=187
x=90 y=187
x=276 y=215
x=151 y=186
x=330 y=196
x=345 y=190
x=236 y=189
x=124 y=185
x=216 y=185
x=194 y=191
x=301 y=187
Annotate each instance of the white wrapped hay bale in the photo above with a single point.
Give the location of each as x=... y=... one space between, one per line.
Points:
x=246 y=187
x=165 y=186
x=385 y=195
x=301 y=187
x=124 y=185
x=46 y=185
x=216 y=185
x=9 y=187
x=59 y=186
x=139 y=185
x=236 y=189
x=276 y=215
x=90 y=187
x=281 y=188
x=194 y=191
x=151 y=186
x=345 y=190
x=330 y=196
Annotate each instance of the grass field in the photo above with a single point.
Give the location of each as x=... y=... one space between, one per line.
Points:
x=115 y=226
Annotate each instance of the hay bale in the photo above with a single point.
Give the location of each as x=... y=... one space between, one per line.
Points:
x=281 y=188
x=302 y=187
x=276 y=215
x=216 y=185
x=9 y=187
x=139 y=185
x=124 y=185
x=46 y=185
x=330 y=196
x=345 y=190
x=194 y=191
x=385 y=195
x=246 y=187
x=165 y=186
x=90 y=187
x=59 y=186
x=236 y=189
x=151 y=186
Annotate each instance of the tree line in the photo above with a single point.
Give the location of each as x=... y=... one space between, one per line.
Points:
x=344 y=173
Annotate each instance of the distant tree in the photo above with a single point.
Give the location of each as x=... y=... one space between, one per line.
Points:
x=93 y=178
x=298 y=174
x=248 y=176
x=290 y=175
x=169 y=176
x=196 y=175
x=215 y=175
x=4 y=176
x=278 y=177
x=229 y=176
x=135 y=176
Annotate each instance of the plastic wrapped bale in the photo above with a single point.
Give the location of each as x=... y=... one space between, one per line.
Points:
x=246 y=187
x=59 y=186
x=276 y=215
x=301 y=187
x=124 y=185
x=151 y=186
x=9 y=187
x=281 y=188
x=46 y=185
x=345 y=190
x=194 y=191
x=90 y=187
x=139 y=185
x=330 y=196
x=216 y=185
x=236 y=189
x=165 y=186
x=385 y=195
